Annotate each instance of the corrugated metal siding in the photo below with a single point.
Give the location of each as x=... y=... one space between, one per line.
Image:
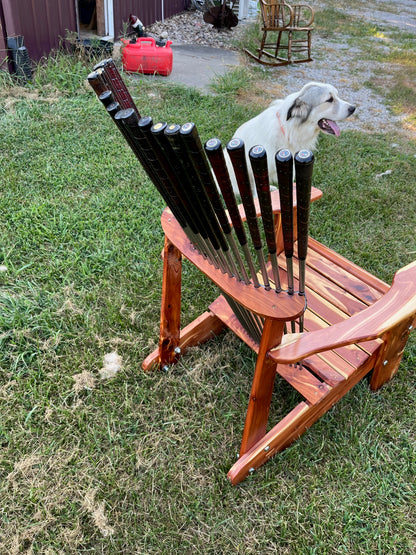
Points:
x=42 y=22
x=173 y=7
x=148 y=11
x=3 y=45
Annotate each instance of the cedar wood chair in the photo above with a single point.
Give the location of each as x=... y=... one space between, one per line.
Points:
x=318 y=321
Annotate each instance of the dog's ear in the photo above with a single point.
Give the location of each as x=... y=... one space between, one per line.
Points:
x=299 y=109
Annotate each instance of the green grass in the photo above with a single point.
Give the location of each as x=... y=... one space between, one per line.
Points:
x=332 y=20
x=137 y=463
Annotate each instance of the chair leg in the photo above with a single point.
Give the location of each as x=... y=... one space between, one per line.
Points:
x=279 y=38
x=292 y=426
x=390 y=356
x=289 y=47
x=173 y=342
x=170 y=311
x=262 y=387
x=263 y=42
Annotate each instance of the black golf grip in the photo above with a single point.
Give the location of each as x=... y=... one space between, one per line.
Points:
x=194 y=146
x=129 y=122
x=215 y=154
x=97 y=82
x=190 y=139
x=182 y=177
x=114 y=110
x=192 y=190
x=258 y=161
x=136 y=129
x=303 y=167
x=284 y=168
x=236 y=152
x=116 y=84
x=106 y=97
x=101 y=64
x=163 y=156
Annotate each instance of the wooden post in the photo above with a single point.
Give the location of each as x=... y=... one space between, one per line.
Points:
x=390 y=356
x=262 y=387
x=170 y=312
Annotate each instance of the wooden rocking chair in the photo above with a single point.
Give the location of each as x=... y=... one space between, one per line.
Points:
x=314 y=318
x=287 y=31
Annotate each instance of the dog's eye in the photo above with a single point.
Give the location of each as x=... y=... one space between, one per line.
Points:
x=330 y=99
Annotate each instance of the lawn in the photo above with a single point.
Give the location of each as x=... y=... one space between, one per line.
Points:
x=136 y=463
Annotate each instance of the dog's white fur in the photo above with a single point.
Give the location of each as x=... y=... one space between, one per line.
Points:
x=292 y=123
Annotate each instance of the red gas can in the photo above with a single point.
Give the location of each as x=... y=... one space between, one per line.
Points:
x=144 y=56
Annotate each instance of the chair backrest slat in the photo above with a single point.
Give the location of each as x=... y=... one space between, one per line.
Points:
x=276 y=14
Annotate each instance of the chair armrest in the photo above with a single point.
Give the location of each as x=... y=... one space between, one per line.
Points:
x=397 y=305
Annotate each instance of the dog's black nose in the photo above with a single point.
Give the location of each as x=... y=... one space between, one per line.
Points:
x=351 y=110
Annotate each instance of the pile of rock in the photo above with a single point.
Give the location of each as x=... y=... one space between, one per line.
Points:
x=190 y=28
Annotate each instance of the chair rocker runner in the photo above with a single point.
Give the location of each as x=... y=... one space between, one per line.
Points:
x=287 y=31
x=314 y=318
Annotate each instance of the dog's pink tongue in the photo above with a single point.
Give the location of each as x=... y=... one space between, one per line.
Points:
x=334 y=127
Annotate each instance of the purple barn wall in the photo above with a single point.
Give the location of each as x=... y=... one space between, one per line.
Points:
x=43 y=23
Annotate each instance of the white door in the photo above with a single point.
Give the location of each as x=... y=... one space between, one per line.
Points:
x=109 y=18
x=243 y=9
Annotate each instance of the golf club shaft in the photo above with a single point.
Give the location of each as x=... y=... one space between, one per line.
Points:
x=236 y=152
x=214 y=151
x=258 y=160
x=303 y=167
x=284 y=167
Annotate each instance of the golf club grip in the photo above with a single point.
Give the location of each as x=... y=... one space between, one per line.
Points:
x=127 y=120
x=113 y=109
x=284 y=168
x=164 y=182
x=194 y=146
x=181 y=177
x=303 y=167
x=258 y=160
x=236 y=152
x=116 y=85
x=189 y=138
x=130 y=121
x=192 y=189
x=97 y=82
x=215 y=154
x=162 y=156
x=106 y=97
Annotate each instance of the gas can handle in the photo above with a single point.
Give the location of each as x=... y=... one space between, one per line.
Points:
x=150 y=40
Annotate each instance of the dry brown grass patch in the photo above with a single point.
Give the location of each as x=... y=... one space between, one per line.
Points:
x=260 y=94
x=13 y=95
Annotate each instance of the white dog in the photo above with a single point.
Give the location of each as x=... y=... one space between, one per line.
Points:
x=294 y=123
